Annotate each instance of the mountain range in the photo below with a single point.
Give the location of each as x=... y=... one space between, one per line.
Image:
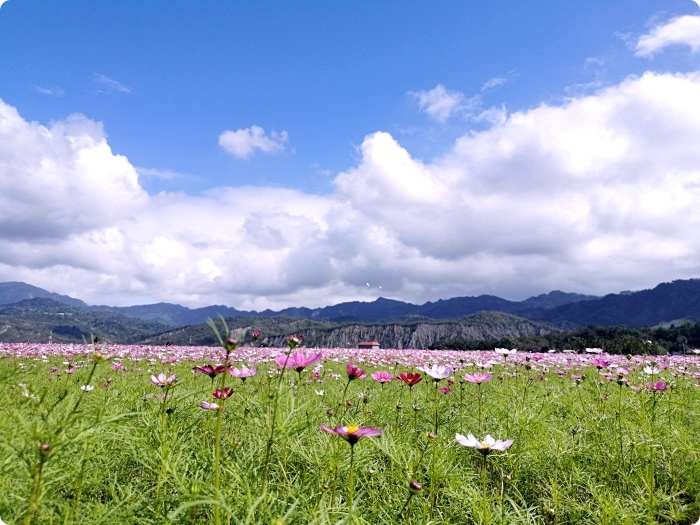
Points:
x=29 y=313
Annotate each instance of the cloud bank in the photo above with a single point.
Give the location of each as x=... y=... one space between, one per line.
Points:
x=598 y=194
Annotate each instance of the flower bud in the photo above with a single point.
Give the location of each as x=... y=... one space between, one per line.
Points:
x=414 y=487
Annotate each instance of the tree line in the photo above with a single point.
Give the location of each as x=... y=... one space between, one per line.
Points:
x=614 y=340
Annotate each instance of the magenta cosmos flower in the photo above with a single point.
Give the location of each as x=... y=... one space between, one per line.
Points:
x=437 y=372
x=211 y=371
x=486 y=446
x=223 y=394
x=243 y=372
x=382 y=377
x=297 y=361
x=353 y=433
x=163 y=380
x=355 y=372
x=659 y=386
x=478 y=377
x=411 y=379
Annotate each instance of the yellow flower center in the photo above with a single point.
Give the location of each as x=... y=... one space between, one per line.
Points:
x=484 y=444
x=352 y=429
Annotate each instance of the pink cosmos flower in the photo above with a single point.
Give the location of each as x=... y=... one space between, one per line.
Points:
x=209 y=406
x=163 y=380
x=478 y=377
x=437 y=372
x=445 y=390
x=353 y=433
x=117 y=366
x=600 y=363
x=355 y=372
x=382 y=377
x=486 y=446
x=255 y=335
x=243 y=372
x=297 y=361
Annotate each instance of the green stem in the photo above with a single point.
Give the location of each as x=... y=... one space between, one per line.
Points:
x=273 y=423
x=485 y=495
x=351 y=480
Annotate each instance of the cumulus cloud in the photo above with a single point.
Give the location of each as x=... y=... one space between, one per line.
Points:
x=242 y=143
x=680 y=31
x=596 y=195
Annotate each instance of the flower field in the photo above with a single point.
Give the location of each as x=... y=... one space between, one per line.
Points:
x=245 y=435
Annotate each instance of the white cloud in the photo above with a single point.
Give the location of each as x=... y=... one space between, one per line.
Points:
x=440 y=103
x=683 y=30
x=242 y=143
x=596 y=195
x=109 y=85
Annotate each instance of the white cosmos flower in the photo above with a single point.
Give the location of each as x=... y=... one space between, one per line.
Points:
x=320 y=392
x=437 y=372
x=505 y=351
x=87 y=388
x=487 y=445
x=594 y=350
x=651 y=370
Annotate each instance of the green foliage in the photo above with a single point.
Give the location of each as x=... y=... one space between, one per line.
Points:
x=583 y=453
x=614 y=340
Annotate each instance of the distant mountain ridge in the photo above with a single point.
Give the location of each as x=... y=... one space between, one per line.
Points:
x=380 y=309
x=22 y=304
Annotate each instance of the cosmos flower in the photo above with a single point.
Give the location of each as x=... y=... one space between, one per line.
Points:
x=353 y=433
x=297 y=361
x=243 y=372
x=411 y=379
x=486 y=446
x=355 y=372
x=223 y=394
x=87 y=388
x=211 y=371
x=505 y=352
x=659 y=386
x=382 y=377
x=478 y=377
x=163 y=380
x=209 y=406
x=600 y=363
x=437 y=372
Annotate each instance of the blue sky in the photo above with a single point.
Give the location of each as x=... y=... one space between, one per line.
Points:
x=269 y=154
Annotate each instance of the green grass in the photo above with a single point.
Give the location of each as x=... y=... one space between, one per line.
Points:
x=595 y=453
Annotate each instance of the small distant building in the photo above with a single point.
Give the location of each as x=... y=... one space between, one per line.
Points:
x=370 y=345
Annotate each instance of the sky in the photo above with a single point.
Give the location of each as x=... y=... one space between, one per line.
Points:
x=266 y=154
